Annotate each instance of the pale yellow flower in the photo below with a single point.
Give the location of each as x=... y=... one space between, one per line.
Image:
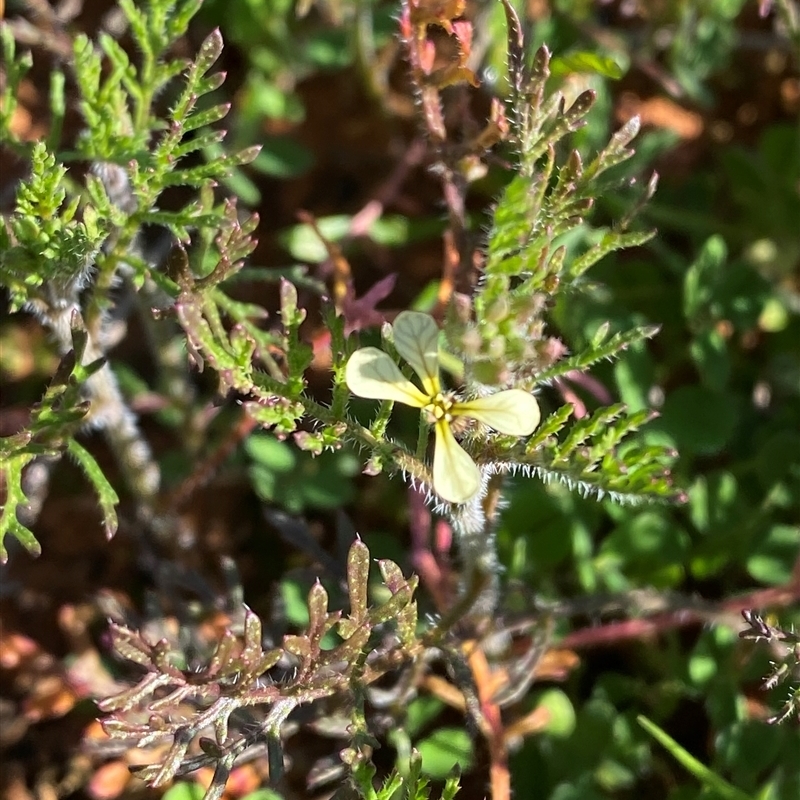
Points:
x=372 y=373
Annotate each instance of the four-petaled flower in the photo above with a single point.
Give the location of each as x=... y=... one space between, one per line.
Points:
x=372 y=373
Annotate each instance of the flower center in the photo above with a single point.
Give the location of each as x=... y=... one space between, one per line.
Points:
x=439 y=408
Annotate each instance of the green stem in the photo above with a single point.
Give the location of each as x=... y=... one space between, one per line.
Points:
x=378 y=427
x=422 y=438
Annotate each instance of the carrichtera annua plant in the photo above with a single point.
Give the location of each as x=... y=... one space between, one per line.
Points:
x=68 y=247
x=75 y=252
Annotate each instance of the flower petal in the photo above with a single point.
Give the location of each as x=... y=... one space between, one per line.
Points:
x=372 y=373
x=416 y=337
x=455 y=475
x=512 y=411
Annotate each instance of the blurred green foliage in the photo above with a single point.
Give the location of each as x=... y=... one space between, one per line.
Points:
x=297 y=480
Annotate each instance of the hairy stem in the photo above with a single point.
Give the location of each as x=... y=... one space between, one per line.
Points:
x=474 y=525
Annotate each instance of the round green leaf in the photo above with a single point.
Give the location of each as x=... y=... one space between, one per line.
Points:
x=562 y=713
x=649 y=540
x=184 y=790
x=772 y=562
x=271 y=453
x=443 y=749
x=304 y=244
x=699 y=420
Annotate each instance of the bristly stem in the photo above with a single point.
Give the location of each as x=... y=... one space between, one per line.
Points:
x=474 y=524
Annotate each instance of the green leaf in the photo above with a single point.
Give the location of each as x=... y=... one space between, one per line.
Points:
x=703 y=276
x=610 y=242
x=420 y=712
x=749 y=748
x=443 y=750
x=580 y=789
x=635 y=375
x=283 y=157
x=304 y=244
x=105 y=491
x=586 y=62
x=294 y=601
x=700 y=771
x=699 y=421
x=551 y=425
x=329 y=50
x=713 y=501
x=608 y=349
x=271 y=453
x=391 y=231
x=184 y=790
x=561 y=723
x=710 y=352
x=262 y=794
x=649 y=545
x=772 y=560
x=15 y=498
x=395 y=231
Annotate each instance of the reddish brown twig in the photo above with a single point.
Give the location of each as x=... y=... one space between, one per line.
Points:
x=209 y=467
x=625 y=630
x=500 y=777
